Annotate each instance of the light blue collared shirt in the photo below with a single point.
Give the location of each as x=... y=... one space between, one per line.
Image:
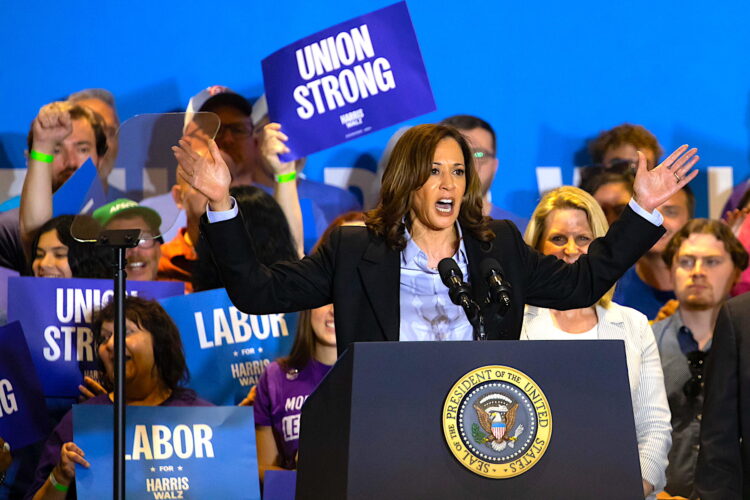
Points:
x=427 y=312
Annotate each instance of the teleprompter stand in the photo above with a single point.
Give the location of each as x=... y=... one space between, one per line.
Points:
x=119 y=240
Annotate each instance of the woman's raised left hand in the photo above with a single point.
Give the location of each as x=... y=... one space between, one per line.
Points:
x=654 y=187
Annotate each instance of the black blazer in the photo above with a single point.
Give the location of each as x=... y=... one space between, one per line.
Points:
x=359 y=273
x=723 y=470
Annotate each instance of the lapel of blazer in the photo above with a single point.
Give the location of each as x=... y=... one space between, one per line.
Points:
x=380 y=271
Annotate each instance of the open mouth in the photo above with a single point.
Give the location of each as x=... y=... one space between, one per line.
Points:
x=444 y=205
x=50 y=275
x=136 y=266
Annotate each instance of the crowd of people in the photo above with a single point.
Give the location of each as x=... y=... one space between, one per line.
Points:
x=594 y=263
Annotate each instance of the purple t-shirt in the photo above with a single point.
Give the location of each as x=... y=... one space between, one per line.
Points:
x=63 y=433
x=278 y=404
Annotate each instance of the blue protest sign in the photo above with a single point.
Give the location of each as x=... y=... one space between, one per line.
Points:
x=56 y=316
x=226 y=349
x=23 y=414
x=171 y=452
x=279 y=484
x=82 y=189
x=354 y=78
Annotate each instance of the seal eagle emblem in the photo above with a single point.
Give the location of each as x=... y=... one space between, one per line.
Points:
x=497 y=416
x=497 y=421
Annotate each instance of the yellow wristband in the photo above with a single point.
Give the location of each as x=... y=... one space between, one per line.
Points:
x=286 y=177
x=36 y=155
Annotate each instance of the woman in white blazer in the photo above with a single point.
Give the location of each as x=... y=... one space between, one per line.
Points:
x=564 y=223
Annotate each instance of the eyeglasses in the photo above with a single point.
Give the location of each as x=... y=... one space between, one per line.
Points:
x=591 y=173
x=696 y=361
x=621 y=165
x=235 y=129
x=483 y=155
x=627 y=163
x=147 y=241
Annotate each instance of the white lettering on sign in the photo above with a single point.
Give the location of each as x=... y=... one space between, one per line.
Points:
x=352 y=118
x=232 y=326
x=330 y=53
x=167 y=487
x=77 y=305
x=60 y=343
x=8 y=403
x=160 y=442
x=351 y=84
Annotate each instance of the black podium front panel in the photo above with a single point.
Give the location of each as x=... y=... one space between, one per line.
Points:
x=374 y=430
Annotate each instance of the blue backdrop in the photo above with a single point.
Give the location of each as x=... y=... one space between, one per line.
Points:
x=548 y=75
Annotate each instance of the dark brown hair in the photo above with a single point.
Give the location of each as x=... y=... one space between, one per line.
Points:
x=169 y=357
x=408 y=169
x=264 y=221
x=592 y=184
x=718 y=229
x=470 y=122
x=86 y=260
x=635 y=135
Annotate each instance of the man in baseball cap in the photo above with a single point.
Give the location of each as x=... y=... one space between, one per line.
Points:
x=235 y=136
x=142 y=260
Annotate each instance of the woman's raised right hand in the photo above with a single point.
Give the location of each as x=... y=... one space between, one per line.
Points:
x=208 y=174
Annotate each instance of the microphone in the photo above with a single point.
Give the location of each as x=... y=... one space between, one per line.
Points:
x=453 y=278
x=499 y=288
x=460 y=294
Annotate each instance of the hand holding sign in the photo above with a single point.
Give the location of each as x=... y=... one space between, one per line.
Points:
x=656 y=186
x=348 y=80
x=272 y=143
x=90 y=388
x=65 y=471
x=208 y=174
x=5 y=457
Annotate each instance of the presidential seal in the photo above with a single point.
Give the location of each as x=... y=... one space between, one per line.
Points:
x=497 y=422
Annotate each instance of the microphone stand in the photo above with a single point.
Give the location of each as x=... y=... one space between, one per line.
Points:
x=119 y=240
x=478 y=324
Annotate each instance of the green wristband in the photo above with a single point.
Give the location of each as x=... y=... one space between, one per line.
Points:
x=286 y=177
x=36 y=155
x=57 y=486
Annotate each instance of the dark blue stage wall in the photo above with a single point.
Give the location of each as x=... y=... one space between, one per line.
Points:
x=548 y=75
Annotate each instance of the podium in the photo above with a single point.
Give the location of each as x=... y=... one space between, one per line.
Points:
x=374 y=427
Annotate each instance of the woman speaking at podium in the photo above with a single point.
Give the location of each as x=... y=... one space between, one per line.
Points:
x=383 y=278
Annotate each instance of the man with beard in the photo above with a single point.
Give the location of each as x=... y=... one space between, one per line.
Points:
x=705 y=260
x=242 y=138
x=61 y=139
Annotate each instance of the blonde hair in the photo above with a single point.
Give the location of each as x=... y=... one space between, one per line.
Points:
x=567 y=197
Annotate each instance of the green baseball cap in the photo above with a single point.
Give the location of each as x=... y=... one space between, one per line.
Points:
x=125 y=207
